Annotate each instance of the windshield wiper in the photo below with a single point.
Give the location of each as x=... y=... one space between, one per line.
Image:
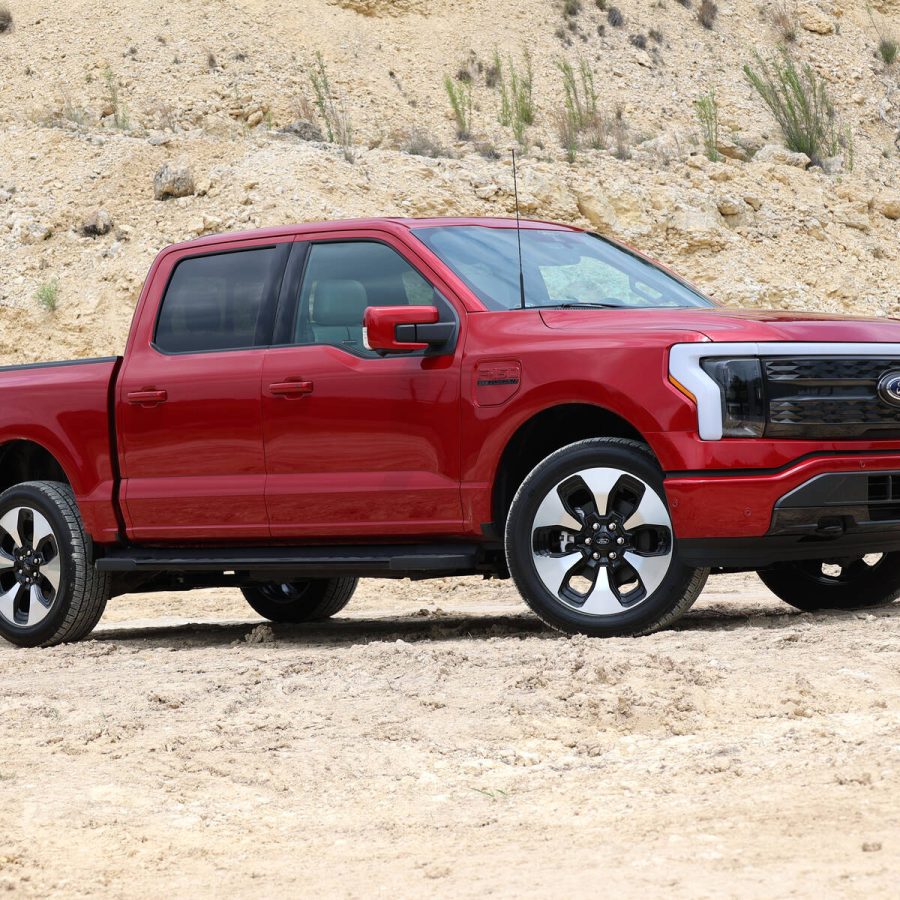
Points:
x=584 y=306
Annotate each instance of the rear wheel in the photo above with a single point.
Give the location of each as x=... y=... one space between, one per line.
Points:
x=872 y=580
x=590 y=544
x=49 y=591
x=301 y=601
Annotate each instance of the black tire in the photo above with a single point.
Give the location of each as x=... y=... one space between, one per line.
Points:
x=301 y=601
x=813 y=584
x=70 y=610
x=528 y=545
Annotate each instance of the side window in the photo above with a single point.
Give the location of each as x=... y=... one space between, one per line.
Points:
x=217 y=302
x=341 y=280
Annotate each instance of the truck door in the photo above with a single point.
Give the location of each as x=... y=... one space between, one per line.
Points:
x=188 y=415
x=358 y=446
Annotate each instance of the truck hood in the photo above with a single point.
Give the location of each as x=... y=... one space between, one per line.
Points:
x=722 y=324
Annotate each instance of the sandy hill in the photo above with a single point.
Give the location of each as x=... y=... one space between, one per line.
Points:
x=96 y=101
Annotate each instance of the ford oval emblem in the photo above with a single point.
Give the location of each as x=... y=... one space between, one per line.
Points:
x=889 y=388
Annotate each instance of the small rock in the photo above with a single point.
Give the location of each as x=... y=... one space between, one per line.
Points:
x=775 y=153
x=888 y=205
x=753 y=200
x=159 y=139
x=486 y=191
x=599 y=212
x=173 y=181
x=97 y=223
x=113 y=249
x=254 y=119
x=812 y=19
x=731 y=150
x=306 y=131
x=871 y=846
x=731 y=206
x=262 y=634
x=833 y=165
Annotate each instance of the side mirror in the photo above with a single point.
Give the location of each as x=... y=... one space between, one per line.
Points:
x=403 y=329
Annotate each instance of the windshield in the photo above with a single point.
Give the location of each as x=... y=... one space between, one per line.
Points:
x=561 y=268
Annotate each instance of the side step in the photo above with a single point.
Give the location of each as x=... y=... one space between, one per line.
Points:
x=394 y=561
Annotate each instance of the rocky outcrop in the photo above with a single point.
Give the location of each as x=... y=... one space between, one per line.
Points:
x=173 y=180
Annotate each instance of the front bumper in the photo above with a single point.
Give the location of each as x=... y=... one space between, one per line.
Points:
x=837 y=505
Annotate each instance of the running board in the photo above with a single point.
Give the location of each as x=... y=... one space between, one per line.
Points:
x=374 y=561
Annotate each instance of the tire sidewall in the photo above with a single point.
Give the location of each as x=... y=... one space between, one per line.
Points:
x=802 y=590
x=630 y=457
x=34 y=497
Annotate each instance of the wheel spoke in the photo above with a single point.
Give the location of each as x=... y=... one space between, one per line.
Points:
x=8 y=603
x=554 y=569
x=552 y=513
x=650 y=569
x=10 y=524
x=38 y=607
x=51 y=571
x=41 y=529
x=600 y=482
x=602 y=599
x=7 y=561
x=650 y=511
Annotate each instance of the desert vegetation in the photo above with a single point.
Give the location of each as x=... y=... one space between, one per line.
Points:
x=799 y=100
x=47 y=295
x=332 y=111
x=516 y=101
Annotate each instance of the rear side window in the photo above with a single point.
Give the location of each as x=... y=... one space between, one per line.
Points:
x=219 y=302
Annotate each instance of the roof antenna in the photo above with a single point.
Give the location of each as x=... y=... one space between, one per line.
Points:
x=518 y=231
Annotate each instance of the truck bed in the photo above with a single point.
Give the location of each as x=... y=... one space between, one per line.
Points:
x=66 y=408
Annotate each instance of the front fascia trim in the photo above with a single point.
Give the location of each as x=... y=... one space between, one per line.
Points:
x=684 y=366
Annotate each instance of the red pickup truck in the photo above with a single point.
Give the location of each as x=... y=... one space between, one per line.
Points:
x=301 y=406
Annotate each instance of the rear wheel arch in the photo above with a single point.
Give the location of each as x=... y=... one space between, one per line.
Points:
x=544 y=433
x=25 y=460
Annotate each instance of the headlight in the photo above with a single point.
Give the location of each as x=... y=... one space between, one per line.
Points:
x=743 y=402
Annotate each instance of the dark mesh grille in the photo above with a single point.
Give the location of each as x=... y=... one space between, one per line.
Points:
x=829 y=397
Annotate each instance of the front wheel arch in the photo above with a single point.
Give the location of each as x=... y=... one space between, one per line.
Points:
x=544 y=433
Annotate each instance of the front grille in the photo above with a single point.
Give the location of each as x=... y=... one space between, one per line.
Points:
x=829 y=397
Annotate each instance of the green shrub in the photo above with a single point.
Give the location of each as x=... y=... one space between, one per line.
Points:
x=707 y=13
x=48 y=295
x=460 y=96
x=113 y=101
x=708 y=116
x=887 y=50
x=419 y=142
x=338 y=127
x=516 y=101
x=785 y=21
x=580 y=122
x=799 y=100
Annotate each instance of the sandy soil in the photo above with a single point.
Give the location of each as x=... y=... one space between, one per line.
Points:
x=436 y=740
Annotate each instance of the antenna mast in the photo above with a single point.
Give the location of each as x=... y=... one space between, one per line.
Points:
x=518 y=232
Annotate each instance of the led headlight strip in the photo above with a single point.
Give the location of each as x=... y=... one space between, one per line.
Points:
x=688 y=375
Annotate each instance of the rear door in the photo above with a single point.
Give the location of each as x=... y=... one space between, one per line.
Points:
x=364 y=446
x=188 y=399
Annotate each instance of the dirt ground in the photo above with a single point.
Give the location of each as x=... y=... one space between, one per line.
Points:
x=436 y=740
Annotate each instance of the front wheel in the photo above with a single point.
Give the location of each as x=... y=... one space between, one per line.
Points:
x=301 y=601
x=590 y=544
x=872 y=580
